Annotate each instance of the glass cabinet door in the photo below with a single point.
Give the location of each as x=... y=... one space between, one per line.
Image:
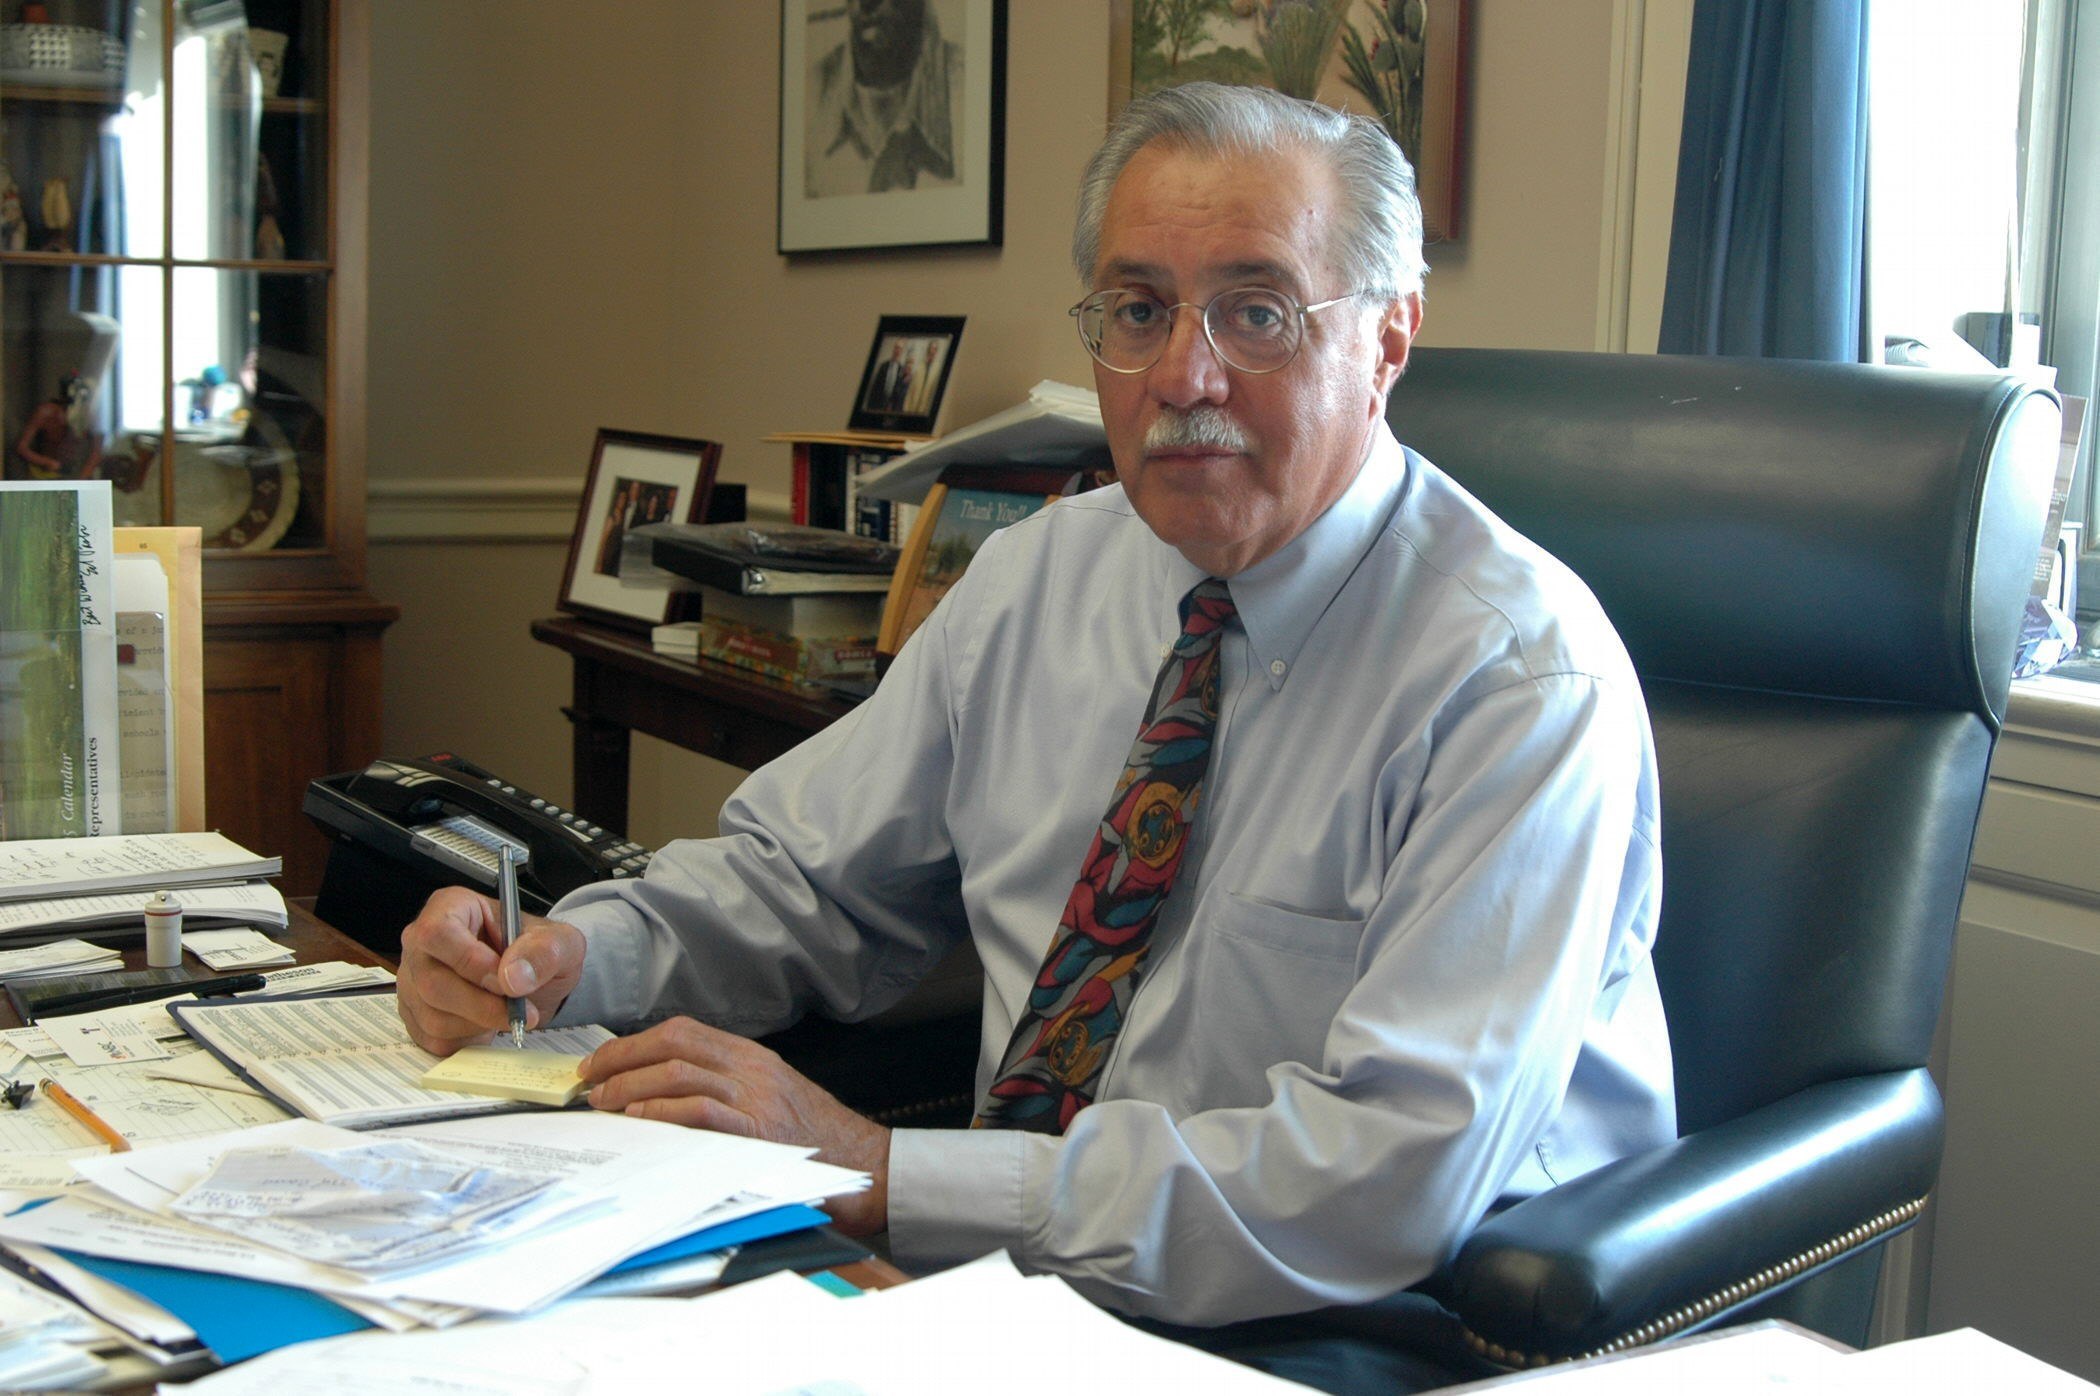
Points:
x=165 y=259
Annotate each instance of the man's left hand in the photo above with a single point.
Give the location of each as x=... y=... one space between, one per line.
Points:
x=691 y=1074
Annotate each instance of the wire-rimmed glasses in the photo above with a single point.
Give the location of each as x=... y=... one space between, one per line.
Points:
x=1251 y=328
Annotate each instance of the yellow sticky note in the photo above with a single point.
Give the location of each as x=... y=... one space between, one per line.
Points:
x=545 y=1078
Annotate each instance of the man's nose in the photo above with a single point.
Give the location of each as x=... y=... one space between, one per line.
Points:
x=1189 y=370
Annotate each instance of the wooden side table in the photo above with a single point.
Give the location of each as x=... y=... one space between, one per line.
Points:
x=622 y=686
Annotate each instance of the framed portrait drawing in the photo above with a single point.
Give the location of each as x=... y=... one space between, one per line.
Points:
x=635 y=478
x=892 y=123
x=1400 y=62
x=908 y=366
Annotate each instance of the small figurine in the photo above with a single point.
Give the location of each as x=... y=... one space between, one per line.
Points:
x=14 y=228
x=56 y=443
x=269 y=238
x=58 y=216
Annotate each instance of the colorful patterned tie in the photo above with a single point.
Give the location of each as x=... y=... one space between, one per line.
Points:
x=1061 y=1044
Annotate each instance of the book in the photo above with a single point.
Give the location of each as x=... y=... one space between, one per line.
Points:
x=65 y=867
x=180 y=554
x=145 y=695
x=59 y=773
x=822 y=615
x=820 y=464
x=966 y=506
x=1055 y=425
x=347 y=1060
x=772 y=560
x=798 y=661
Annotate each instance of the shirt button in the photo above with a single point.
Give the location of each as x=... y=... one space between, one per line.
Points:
x=1277 y=667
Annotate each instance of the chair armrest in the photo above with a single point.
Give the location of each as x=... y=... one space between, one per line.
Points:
x=1674 y=1238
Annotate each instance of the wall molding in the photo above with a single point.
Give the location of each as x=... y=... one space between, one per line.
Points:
x=479 y=509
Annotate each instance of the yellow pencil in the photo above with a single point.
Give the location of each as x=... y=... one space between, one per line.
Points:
x=72 y=1105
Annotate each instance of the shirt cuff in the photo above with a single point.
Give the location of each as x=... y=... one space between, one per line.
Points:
x=612 y=966
x=956 y=1194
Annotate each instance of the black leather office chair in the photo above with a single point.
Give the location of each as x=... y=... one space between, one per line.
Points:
x=1819 y=570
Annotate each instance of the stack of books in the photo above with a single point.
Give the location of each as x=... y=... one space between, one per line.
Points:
x=801 y=605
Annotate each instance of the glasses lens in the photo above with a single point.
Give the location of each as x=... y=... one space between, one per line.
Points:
x=1124 y=329
x=1254 y=329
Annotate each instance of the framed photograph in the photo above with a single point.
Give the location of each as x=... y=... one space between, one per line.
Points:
x=1337 y=55
x=907 y=372
x=635 y=479
x=892 y=123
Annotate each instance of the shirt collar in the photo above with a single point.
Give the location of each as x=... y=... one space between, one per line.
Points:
x=1283 y=596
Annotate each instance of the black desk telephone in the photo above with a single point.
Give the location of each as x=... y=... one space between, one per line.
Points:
x=403 y=828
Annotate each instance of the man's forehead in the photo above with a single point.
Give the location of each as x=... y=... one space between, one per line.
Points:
x=1217 y=217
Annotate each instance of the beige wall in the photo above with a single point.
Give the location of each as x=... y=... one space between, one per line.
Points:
x=572 y=227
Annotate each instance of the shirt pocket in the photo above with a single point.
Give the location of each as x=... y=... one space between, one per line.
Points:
x=1269 y=982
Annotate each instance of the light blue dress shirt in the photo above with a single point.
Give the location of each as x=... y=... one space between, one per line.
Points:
x=1404 y=974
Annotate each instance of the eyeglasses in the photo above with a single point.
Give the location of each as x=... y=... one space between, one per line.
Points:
x=1250 y=328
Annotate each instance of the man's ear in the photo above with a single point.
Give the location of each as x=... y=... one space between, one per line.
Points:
x=1395 y=334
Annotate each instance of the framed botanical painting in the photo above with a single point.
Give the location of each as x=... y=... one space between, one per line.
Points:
x=635 y=478
x=907 y=373
x=892 y=123
x=1401 y=62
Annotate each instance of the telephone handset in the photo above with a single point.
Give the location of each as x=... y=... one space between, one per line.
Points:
x=442 y=818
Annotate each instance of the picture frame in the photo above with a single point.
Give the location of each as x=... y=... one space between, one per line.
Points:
x=634 y=478
x=1228 y=48
x=944 y=187
x=906 y=374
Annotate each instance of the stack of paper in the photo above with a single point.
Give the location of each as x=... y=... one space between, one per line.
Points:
x=240 y=948
x=950 y=1332
x=58 y=957
x=44 y=1340
x=623 y=1185
x=237 y=904
x=1058 y=424
x=69 y=867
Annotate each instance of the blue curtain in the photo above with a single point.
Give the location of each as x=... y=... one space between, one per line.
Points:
x=1768 y=242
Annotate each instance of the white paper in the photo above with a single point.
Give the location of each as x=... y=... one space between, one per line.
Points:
x=655 y=1180
x=769 y=1337
x=58 y=867
x=256 y=902
x=376 y=1205
x=147 y=1110
x=238 y=948
x=57 y=957
x=103 y=1039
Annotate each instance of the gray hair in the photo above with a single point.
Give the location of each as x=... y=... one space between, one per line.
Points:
x=1378 y=240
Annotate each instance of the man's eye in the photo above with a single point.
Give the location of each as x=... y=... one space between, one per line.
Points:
x=1134 y=314
x=1257 y=317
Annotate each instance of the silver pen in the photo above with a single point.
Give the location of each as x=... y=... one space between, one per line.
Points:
x=507 y=894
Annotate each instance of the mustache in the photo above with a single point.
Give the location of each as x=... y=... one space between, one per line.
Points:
x=1200 y=426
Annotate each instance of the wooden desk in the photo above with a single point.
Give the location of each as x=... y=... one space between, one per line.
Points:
x=621 y=687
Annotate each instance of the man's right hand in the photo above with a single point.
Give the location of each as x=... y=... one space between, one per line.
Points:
x=455 y=974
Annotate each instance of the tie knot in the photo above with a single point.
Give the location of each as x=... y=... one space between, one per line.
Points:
x=1207 y=605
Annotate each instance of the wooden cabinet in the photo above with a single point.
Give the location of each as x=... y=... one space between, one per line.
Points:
x=182 y=312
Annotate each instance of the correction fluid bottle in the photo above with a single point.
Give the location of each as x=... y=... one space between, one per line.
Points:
x=163 y=932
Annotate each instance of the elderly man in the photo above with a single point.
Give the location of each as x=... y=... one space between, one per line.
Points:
x=1361 y=945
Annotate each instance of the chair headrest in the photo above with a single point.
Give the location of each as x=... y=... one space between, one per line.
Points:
x=1850 y=530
